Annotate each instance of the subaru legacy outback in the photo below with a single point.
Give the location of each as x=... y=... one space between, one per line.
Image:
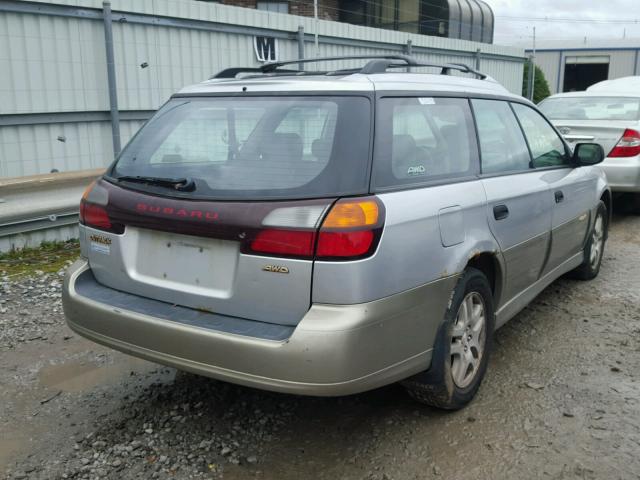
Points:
x=330 y=232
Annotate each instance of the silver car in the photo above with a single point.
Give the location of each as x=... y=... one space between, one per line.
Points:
x=330 y=232
x=608 y=114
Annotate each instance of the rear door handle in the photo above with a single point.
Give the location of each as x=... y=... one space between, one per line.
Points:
x=500 y=212
x=559 y=196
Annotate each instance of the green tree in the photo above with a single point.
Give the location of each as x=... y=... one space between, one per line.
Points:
x=541 y=87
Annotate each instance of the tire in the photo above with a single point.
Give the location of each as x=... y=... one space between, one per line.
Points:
x=594 y=249
x=452 y=380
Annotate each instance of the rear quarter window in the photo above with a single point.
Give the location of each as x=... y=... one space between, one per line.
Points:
x=423 y=139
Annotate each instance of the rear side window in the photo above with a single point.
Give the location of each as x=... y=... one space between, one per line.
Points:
x=254 y=147
x=502 y=145
x=547 y=149
x=423 y=139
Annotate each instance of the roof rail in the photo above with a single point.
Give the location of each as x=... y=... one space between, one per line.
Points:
x=464 y=68
x=377 y=64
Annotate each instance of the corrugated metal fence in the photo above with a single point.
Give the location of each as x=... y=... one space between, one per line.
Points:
x=54 y=95
x=52 y=59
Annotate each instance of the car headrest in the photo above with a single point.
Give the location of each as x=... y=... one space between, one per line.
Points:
x=321 y=148
x=285 y=147
x=403 y=148
x=457 y=149
x=404 y=157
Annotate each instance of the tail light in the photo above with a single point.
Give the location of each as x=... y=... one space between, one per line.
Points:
x=628 y=146
x=351 y=230
x=295 y=243
x=93 y=212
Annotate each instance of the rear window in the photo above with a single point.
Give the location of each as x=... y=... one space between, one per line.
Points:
x=591 y=108
x=254 y=147
x=423 y=139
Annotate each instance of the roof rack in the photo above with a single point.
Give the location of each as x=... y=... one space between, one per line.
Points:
x=376 y=64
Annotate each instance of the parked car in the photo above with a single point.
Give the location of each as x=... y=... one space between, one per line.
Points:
x=607 y=113
x=327 y=233
x=623 y=84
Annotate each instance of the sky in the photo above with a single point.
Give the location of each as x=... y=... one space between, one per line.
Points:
x=594 y=19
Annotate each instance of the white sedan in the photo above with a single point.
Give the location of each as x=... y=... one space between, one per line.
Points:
x=607 y=113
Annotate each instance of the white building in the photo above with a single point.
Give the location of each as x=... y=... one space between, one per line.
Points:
x=575 y=65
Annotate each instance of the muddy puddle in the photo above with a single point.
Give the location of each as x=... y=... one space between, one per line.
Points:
x=61 y=381
x=82 y=375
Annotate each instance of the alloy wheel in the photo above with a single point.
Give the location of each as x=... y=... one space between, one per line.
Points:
x=468 y=338
x=597 y=241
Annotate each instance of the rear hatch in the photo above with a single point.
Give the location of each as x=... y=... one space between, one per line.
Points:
x=217 y=202
x=593 y=119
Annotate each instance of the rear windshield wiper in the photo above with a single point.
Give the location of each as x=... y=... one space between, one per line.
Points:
x=181 y=184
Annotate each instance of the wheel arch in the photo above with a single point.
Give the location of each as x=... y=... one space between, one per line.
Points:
x=488 y=262
x=607 y=199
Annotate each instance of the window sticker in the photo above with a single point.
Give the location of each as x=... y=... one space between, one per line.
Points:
x=427 y=100
x=416 y=170
x=100 y=244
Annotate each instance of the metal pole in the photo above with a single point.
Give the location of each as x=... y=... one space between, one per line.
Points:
x=111 y=78
x=315 y=15
x=301 y=46
x=530 y=74
x=478 y=54
x=409 y=50
x=396 y=15
x=533 y=64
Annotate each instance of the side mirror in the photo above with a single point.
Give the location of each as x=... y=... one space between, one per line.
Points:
x=586 y=154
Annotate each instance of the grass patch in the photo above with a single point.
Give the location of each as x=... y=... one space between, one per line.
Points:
x=48 y=258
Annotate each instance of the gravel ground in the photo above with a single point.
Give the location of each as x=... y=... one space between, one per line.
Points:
x=561 y=400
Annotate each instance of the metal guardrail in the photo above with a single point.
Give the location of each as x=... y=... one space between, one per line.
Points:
x=40 y=202
x=52 y=220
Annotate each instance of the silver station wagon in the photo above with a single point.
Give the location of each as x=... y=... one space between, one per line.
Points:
x=331 y=232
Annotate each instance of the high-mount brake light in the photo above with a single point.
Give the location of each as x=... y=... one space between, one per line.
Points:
x=94 y=215
x=628 y=146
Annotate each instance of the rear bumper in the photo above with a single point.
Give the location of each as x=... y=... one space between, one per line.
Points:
x=334 y=350
x=623 y=174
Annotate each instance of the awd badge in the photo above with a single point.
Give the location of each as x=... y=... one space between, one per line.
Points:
x=276 y=268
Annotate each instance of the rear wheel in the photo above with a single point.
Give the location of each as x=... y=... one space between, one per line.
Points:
x=462 y=347
x=594 y=249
